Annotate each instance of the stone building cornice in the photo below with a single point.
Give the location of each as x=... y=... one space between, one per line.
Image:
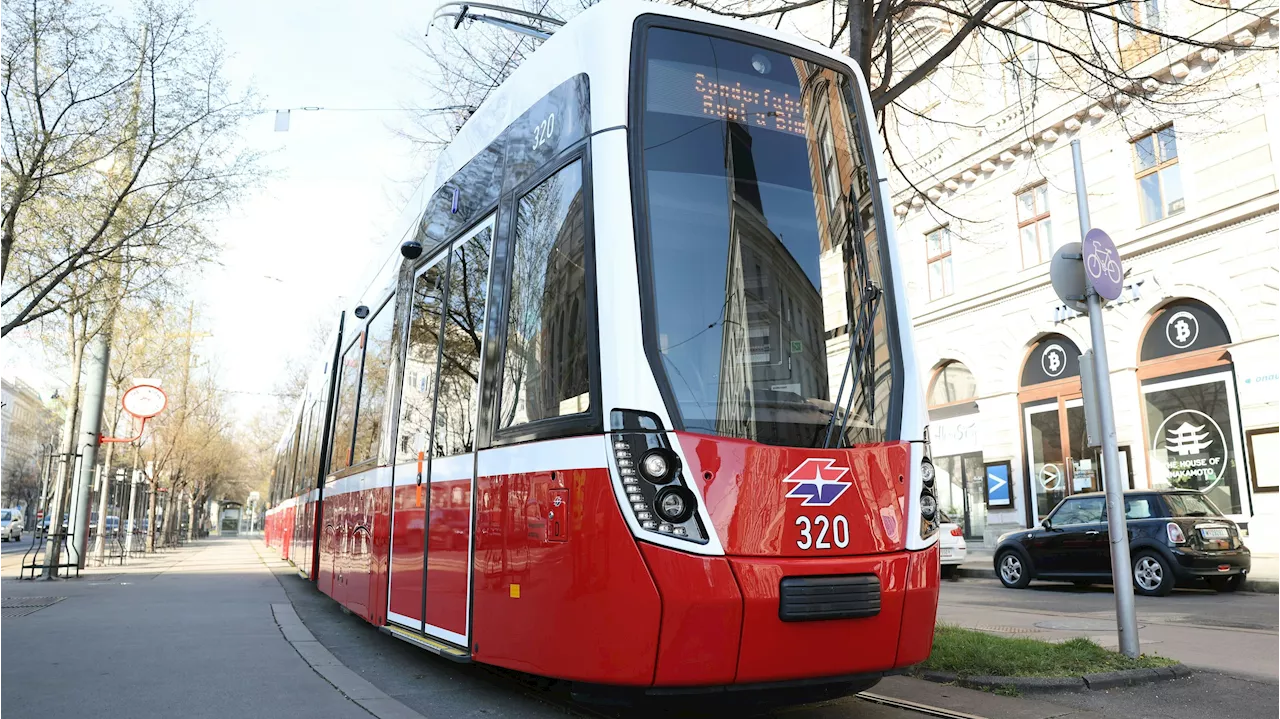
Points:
x=1017 y=139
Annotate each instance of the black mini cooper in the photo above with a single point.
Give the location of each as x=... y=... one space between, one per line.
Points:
x=1175 y=537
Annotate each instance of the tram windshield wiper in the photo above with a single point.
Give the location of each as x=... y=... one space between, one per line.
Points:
x=860 y=336
x=861 y=328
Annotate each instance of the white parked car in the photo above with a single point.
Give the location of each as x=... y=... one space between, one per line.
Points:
x=951 y=548
x=10 y=524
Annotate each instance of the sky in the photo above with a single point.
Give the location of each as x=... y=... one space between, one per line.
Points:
x=318 y=227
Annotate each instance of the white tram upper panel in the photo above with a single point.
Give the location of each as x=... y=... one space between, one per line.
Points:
x=596 y=43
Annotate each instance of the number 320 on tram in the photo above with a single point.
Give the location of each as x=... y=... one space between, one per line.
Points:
x=634 y=403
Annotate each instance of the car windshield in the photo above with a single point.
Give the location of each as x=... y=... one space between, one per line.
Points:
x=1191 y=505
x=763 y=244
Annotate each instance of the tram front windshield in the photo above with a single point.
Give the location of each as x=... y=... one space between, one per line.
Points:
x=763 y=242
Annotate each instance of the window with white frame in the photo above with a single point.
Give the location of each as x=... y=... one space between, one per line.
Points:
x=938 y=262
x=1158 y=175
x=1035 y=228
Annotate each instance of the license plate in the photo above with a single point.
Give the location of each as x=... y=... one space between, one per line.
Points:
x=1215 y=533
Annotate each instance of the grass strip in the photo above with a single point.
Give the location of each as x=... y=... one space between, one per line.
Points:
x=969 y=652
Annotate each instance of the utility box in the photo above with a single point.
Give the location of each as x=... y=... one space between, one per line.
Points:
x=1089 y=390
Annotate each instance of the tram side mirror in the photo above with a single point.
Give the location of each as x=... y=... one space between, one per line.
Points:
x=411 y=249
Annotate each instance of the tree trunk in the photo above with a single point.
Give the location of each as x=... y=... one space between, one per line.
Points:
x=66 y=448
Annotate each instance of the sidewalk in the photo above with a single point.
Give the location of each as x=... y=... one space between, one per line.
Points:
x=188 y=633
x=1236 y=635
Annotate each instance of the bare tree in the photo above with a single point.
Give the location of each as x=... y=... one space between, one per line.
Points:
x=119 y=145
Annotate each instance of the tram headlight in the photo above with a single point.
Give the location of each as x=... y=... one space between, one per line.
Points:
x=928 y=506
x=658 y=465
x=674 y=504
x=927 y=472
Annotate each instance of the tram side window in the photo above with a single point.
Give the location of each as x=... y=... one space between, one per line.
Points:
x=545 y=372
x=345 y=417
x=419 y=387
x=373 y=388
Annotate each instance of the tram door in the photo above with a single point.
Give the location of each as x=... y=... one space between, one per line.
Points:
x=435 y=457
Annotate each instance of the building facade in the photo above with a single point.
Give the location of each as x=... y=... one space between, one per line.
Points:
x=1190 y=200
x=28 y=429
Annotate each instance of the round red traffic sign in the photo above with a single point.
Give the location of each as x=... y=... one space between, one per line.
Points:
x=144 y=401
x=1102 y=264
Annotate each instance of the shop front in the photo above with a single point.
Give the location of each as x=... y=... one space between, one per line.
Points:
x=1058 y=459
x=956 y=444
x=1190 y=407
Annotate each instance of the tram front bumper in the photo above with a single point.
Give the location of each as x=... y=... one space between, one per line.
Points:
x=753 y=620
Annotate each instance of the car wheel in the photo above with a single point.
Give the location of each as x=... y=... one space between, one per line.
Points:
x=1152 y=575
x=1012 y=570
x=1225 y=584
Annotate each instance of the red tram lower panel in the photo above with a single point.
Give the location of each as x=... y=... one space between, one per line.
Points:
x=560 y=587
x=583 y=608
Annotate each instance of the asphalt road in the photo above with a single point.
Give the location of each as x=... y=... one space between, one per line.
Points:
x=1241 y=610
x=436 y=687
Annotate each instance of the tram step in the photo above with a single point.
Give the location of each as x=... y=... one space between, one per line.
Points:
x=435 y=646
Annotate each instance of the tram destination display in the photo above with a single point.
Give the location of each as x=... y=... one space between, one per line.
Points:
x=696 y=90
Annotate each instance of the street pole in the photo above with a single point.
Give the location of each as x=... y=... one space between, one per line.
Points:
x=90 y=431
x=133 y=503
x=1121 y=565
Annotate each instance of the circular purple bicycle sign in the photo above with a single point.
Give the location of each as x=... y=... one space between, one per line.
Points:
x=1102 y=264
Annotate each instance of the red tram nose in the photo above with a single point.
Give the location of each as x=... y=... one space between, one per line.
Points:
x=816 y=578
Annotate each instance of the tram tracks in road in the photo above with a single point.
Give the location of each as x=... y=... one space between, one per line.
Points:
x=914 y=707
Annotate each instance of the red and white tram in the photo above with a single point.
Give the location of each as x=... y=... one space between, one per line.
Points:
x=635 y=403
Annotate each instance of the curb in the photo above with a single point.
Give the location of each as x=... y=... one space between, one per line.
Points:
x=1099 y=681
x=1260 y=586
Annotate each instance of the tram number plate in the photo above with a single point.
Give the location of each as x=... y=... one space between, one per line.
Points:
x=823 y=532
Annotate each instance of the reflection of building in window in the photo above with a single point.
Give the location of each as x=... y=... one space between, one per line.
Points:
x=849 y=260
x=545 y=372
x=420 y=366
x=772 y=313
x=1158 y=174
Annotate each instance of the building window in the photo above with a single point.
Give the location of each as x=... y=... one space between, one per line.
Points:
x=938 y=253
x=1264 y=459
x=952 y=383
x=1142 y=13
x=1035 y=229
x=1158 y=174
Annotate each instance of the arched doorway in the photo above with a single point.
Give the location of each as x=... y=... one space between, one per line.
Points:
x=1190 y=410
x=1058 y=459
x=957 y=447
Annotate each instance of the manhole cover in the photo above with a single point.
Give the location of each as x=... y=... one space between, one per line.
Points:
x=1081 y=625
x=1004 y=629
x=11 y=607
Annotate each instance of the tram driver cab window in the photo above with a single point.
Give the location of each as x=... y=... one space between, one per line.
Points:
x=545 y=372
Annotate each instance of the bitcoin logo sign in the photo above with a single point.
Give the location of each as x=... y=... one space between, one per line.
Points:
x=1182 y=329
x=1053 y=360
